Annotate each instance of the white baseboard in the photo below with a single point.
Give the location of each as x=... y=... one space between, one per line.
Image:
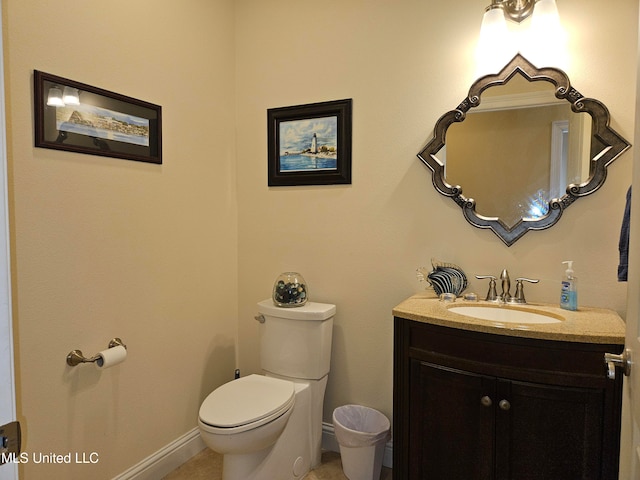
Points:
x=167 y=459
x=170 y=457
x=330 y=443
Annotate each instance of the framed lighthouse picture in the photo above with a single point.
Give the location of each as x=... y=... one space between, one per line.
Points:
x=310 y=144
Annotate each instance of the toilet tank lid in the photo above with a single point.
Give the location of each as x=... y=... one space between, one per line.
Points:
x=309 y=311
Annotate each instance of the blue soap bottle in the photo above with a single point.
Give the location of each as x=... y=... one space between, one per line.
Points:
x=569 y=292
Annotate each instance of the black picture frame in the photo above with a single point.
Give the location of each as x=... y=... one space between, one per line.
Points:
x=97 y=122
x=310 y=144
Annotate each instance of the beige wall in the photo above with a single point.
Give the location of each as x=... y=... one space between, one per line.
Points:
x=162 y=255
x=105 y=247
x=404 y=63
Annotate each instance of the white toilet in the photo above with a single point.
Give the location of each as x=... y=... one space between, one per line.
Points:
x=269 y=426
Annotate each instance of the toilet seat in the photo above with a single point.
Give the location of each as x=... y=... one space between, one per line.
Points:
x=246 y=403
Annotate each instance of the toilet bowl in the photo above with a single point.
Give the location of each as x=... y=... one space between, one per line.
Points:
x=258 y=424
x=269 y=427
x=237 y=422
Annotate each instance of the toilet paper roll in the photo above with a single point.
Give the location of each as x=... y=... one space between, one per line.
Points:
x=111 y=356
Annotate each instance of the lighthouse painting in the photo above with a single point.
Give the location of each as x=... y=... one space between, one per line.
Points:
x=309 y=144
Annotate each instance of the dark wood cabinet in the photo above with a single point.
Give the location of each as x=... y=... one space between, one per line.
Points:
x=478 y=406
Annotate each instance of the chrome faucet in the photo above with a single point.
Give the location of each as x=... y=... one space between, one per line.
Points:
x=505 y=296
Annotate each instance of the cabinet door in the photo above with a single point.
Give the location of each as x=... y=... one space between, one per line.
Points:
x=451 y=428
x=548 y=432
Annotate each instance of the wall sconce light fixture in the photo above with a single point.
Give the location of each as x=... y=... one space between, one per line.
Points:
x=59 y=98
x=516 y=10
x=71 y=96
x=54 y=99
x=541 y=39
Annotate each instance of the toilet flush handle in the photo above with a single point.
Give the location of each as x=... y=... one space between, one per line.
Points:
x=260 y=318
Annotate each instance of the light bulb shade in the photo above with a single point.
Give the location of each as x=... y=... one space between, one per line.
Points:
x=495 y=45
x=54 y=99
x=545 y=15
x=494 y=26
x=71 y=96
x=546 y=42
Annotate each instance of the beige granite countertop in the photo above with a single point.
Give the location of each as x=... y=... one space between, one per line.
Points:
x=587 y=325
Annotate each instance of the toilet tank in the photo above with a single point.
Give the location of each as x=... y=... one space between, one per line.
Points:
x=296 y=342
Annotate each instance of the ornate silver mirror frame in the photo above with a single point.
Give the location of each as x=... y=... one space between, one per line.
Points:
x=613 y=145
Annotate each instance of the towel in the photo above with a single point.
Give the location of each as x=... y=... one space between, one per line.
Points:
x=623 y=245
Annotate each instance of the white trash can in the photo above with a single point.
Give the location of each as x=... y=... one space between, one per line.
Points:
x=362 y=433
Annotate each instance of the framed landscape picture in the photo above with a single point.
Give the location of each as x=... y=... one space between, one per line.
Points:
x=310 y=144
x=77 y=117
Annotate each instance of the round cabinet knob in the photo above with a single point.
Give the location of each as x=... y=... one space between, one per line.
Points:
x=486 y=401
x=504 y=405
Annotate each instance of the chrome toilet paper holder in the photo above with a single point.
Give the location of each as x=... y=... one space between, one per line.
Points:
x=75 y=357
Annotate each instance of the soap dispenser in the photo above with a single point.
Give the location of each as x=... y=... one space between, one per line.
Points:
x=569 y=292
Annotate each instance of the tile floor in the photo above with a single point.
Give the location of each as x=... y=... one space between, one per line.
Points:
x=207 y=465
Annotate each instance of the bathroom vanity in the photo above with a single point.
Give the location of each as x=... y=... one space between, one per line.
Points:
x=481 y=399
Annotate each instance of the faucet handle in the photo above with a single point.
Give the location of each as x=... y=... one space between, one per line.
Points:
x=492 y=295
x=519 y=295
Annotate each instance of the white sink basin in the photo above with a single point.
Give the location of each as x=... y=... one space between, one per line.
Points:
x=505 y=314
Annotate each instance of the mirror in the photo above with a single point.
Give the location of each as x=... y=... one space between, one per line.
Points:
x=522 y=147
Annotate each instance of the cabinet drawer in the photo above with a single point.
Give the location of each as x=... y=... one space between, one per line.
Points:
x=510 y=357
